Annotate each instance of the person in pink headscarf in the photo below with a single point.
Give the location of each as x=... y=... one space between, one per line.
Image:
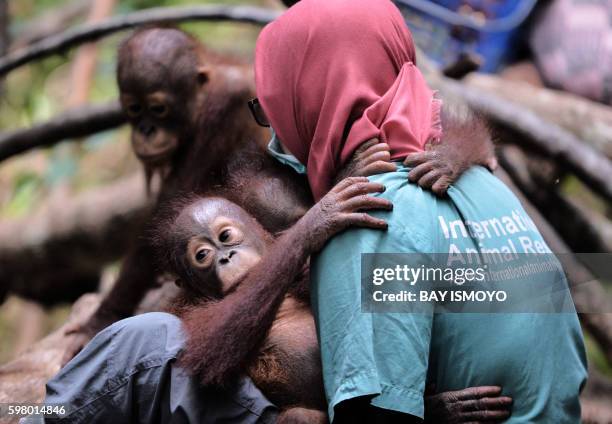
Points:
x=343 y=86
x=331 y=75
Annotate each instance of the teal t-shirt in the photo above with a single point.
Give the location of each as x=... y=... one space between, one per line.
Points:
x=538 y=358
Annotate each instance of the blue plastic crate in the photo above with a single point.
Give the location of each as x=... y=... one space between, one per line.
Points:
x=444 y=29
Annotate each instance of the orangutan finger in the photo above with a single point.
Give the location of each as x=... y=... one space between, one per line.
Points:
x=417 y=173
x=414 y=159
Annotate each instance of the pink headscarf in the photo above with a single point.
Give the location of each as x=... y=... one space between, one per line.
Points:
x=331 y=74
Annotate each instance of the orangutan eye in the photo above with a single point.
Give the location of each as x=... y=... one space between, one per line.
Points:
x=225 y=235
x=201 y=255
x=134 y=110
x=159 y=110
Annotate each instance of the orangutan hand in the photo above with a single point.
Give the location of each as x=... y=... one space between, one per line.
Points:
x=474 y=405
x=345 y=205
x=371 y=158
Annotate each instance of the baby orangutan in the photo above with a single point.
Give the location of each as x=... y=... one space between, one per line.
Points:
x=244 y=302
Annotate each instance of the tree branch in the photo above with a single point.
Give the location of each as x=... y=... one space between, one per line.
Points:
x=588 y=293
x=587 y=163
x=590 y=121
x=74 y=123
x=90 y=32
x=57 y=253
x=589 y=231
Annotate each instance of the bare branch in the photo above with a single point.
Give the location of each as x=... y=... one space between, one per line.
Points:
x=91 y=32
x=588 y=164
x=74 y=123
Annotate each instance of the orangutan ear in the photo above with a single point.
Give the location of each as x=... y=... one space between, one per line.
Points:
x=203 y=75
x=179 y=283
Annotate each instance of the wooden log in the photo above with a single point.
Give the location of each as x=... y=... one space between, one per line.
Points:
x=57 y=253
x=587 y=120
